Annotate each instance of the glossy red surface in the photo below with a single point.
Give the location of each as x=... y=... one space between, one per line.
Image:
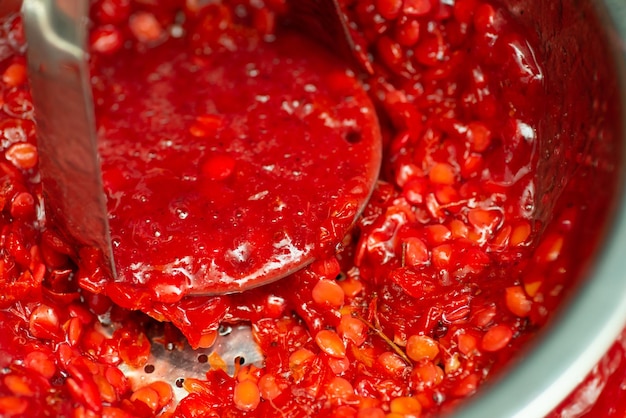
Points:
x=224 y=168
x=449 y=271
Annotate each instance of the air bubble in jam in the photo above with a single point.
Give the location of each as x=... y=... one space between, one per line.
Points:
x=448 y=272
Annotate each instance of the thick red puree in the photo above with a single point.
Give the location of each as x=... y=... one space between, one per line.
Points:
x=449 y=270
x=226 y=165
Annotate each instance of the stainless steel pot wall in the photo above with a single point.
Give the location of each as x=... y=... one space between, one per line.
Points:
x=584 y=52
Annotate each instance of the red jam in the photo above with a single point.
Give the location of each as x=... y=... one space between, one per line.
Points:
x=449 y=271
x=222 y=167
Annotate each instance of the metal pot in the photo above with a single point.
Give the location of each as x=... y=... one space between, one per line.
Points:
x=583 y=46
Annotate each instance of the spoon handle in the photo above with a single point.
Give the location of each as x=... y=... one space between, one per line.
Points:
x=68 y=157
x=324 y=20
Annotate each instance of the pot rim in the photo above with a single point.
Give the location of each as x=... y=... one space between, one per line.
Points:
x=594 y=317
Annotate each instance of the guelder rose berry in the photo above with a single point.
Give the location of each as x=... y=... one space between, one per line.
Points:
x=448 y=271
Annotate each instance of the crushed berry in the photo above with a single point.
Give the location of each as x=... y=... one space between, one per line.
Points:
x=453 y=266
x=211 y=196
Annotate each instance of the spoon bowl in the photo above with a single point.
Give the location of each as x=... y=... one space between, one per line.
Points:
x=73 y=179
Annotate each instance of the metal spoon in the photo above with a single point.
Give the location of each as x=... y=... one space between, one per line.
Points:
x=325 y=20
x=173 y=363
x=69 y=165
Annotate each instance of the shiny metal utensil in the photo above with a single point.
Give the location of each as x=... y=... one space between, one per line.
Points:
x=56 y=31
x=172 y=364
x=325 y=20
